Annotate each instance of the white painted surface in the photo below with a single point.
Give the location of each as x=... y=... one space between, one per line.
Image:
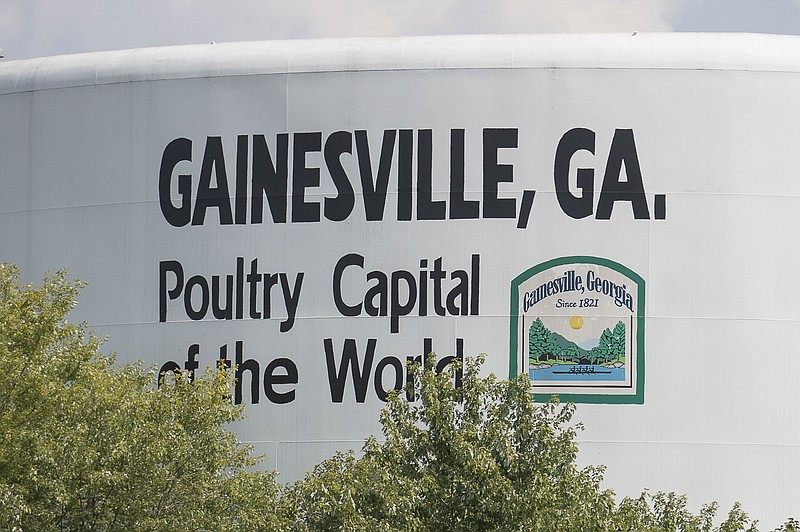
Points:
x=715 y=124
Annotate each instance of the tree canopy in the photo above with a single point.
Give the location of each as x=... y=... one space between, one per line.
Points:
x=86 y=444
x=484 y=456
x=480 y=457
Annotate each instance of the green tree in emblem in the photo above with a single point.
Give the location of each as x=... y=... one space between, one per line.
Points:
x=571 y=353
x=605 y=349
x=541 y=345
x=618 y=341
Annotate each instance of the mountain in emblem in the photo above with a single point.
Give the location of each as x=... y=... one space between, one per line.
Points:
x=564 y=343
x=549 y=347
x=589 y=344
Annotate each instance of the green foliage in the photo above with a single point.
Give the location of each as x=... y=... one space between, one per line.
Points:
x=791 y=525
x=541 y=345
x=618 y=340
x=480 y=457
x=667 y=512
x=88 y=445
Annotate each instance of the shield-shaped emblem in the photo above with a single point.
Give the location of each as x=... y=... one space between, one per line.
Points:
x=577 y=330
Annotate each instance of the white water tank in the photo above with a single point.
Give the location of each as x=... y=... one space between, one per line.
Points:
x=614 y=215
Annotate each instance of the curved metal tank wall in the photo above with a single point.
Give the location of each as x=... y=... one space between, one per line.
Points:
x=614 y=215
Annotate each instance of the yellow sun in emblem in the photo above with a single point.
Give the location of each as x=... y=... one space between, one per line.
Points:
x=576 y=322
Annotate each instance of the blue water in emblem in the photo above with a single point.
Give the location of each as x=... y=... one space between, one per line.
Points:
x=577 y=373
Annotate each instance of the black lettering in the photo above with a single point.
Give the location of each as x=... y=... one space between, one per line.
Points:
x=271 y=379
x=458 y=298
x=163 y=292
x=349 y=362
x=622 y=151
x=574 y=206
x=304 y=177
x=436 y=275
x=240 y=204
x=475 y=279
x=660 y=206
x=208 y=196
x=270 y=280
x=168 y=367
x=351 y=259
x=176 y=151
x=375 y=191
x=459 y=207
x=380 y=291
x=405 y=165
x=494 y=173
x=340 y=207
x=239 y=288
x=192 y=364
x=270 y=180
x=242 y=366
x=427 y=209
x=219 y=312
x=253 y=278
x=382 y=393
x=402 y=309
x=200 y=281
x=223 y=357
x=423 y=287
x=291 y=299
